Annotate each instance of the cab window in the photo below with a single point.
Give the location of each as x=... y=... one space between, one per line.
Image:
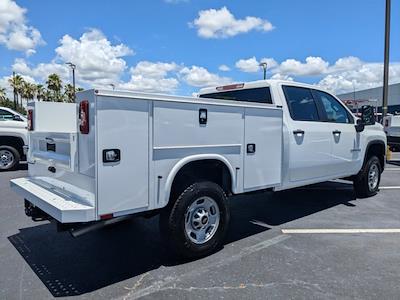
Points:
x=334 y=111
x=302 y=106
x=259 y=95
x=6 y=115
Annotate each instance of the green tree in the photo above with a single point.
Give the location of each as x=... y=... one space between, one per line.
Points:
x=54 y=84
x=40 y=92
x=69 y=93
x=3 y=95
x=16 y=83
x=28 y=91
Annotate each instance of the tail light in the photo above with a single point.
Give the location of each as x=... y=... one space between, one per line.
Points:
x=30 y=119
x=84 y=117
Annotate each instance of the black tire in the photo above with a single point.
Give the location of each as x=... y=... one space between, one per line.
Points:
x=172 y=221
x=361 y=183
x=6 y=150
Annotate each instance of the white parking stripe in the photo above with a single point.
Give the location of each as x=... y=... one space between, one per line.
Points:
x=387 y=230
x=392 y=169
x=389 y=187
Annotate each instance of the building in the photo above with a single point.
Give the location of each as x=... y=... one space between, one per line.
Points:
x=375 y=94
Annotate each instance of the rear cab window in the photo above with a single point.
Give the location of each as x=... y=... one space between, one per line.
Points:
x=259 y=95
x=301 y=103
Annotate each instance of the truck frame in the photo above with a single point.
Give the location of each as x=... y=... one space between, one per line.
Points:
x=116 y=154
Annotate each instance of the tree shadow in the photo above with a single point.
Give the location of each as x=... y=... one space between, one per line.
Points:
x=70 y=266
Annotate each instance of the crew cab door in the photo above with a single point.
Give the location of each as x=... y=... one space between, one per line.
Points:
x=345 y=140
x=309 y=141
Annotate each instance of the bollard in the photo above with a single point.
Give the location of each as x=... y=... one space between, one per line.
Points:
x=388 y=154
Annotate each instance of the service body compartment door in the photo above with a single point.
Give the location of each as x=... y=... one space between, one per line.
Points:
x=263 y=148
x=122 y=124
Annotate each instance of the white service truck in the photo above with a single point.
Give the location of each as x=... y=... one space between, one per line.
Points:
x=13 y=138
x=116 y=154
x=392 y=129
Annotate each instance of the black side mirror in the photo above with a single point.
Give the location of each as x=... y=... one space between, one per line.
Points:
x=17 y=118
x=367 y=115
x=360 y=125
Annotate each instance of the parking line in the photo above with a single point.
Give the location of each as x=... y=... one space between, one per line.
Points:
x=389 y=187
x=379 y=230
x=392 y=169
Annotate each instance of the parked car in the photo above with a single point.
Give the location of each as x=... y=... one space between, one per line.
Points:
x=131 y=153
x=13 y=138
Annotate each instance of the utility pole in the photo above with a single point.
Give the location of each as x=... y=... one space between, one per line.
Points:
x=15 y=93
x=386 y=60
x=264 y=66
x=72 y=66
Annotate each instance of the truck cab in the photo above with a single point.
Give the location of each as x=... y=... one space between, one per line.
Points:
x=13 y=138
x=320 y=136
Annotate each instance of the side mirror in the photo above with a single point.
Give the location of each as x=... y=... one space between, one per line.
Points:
x=17 y=118
x=367 y=115
x=360 y=126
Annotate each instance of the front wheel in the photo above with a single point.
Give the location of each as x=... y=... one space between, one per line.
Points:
x=195 y=225
x=366 y=183
x=9 y=158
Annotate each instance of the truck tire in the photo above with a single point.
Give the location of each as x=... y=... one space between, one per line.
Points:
x=195 y=224
x=366 y=183
x=9 y=158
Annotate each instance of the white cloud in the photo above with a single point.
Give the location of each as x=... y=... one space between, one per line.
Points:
x=279 y=76
x=15 y=34
x=252 y=65
x=96 y=59
x=312 y=66
x=201 y=77
x=224 y=68
x=221 y=23
x=158 y=77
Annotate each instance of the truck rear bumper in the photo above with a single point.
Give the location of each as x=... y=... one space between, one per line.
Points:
x=62 y=207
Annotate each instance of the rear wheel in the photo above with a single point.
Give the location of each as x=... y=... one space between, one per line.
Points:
x=9 y=158
x=195 y=225
x=366 y=183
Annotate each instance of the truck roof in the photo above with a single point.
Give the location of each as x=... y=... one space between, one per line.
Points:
x=253 y=85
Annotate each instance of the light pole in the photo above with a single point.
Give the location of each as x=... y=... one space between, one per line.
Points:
x=386 y=61
x=15 y=93
x=72 y=66
x=264 y=66
x=113 y=86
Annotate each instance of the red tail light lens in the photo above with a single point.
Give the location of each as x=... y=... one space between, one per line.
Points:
x=84 y=117
x=30 y=119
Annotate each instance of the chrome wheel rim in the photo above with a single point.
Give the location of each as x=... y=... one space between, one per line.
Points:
x=373 y=177
x=202 y=220
x=6 y=159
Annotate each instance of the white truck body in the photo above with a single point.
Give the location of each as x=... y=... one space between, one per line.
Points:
x=155 y=136
x=392 y=129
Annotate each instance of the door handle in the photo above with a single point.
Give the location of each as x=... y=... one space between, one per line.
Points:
x=298 y=132
x=336 y=132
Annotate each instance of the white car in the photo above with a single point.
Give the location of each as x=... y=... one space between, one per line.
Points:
x=13 y=138
x=182 y=157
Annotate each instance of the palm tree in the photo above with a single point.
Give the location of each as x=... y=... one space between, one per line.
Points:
x=40 y=92
x=69 y=93
x=3 y=94
x=54 y=83
x=28 y=91
x=16 y=83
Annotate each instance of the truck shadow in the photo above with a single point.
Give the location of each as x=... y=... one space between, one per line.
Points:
x=70 y=267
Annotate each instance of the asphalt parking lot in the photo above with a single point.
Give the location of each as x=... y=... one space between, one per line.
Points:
x=258 y=261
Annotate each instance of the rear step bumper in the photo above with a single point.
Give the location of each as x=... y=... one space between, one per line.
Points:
x=64 y=209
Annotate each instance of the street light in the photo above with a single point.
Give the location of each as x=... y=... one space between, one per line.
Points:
x=72 y=66
x=264 y=66
x=386 y=61
x=112 y=85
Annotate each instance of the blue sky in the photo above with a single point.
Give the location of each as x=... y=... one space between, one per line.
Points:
x=179 y=46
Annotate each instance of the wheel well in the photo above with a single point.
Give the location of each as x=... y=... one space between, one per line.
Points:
x=378 y=150
x=202 y=170
x=12 y=141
